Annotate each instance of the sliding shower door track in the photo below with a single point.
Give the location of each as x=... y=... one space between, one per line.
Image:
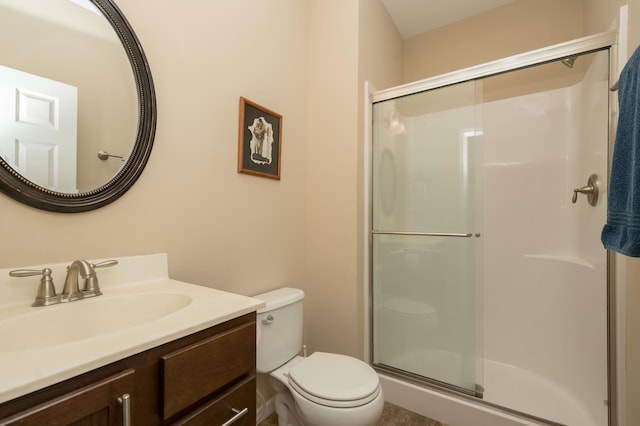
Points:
x=455 y=391
x=422 y=380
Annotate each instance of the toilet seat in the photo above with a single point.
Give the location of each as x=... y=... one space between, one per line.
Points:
x=334 y=380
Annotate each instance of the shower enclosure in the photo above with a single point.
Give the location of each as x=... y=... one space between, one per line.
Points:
x=488 y=280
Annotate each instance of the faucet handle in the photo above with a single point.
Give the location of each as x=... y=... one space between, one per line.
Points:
x=91 y=287
x=104 y=264
x=46 y=291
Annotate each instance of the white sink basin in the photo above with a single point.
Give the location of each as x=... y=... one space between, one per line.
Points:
x=94 y=317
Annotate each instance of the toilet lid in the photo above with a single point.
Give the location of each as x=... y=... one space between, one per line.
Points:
x=335 y=380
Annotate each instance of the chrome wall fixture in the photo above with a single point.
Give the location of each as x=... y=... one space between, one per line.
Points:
x=591 y=190
x=104 y=155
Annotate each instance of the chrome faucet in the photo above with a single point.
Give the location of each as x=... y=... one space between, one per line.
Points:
x=85 y=270
x=71 y=290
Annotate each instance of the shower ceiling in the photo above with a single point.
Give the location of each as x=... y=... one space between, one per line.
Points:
x=413 y=17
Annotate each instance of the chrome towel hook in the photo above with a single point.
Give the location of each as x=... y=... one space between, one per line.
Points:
x=104 y=155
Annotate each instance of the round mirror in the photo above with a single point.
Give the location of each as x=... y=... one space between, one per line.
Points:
x=77 y=104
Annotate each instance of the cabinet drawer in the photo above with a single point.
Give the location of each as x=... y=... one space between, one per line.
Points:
x=195 y=372
x=222 y=409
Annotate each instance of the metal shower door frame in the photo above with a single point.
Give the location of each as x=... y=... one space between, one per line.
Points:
x=584 y=45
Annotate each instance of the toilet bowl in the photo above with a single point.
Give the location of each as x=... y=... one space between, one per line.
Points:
x=323 y=389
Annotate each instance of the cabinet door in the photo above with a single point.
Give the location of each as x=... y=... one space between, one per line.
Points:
x=93 y=405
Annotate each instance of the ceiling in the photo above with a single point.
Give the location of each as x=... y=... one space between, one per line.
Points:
x=413 y=17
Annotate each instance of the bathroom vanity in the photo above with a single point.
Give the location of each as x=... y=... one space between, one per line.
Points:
x=190 y=361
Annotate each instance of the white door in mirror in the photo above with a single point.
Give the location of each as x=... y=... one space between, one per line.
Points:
x=38 y=128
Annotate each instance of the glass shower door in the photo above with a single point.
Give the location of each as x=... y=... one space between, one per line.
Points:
x=487 y=271
x=425 y=251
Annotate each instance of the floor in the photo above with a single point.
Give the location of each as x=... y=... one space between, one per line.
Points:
x=391 y=416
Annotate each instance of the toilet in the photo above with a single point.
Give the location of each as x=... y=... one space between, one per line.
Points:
x=323 y=389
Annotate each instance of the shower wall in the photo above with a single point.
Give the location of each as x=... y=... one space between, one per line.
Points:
x=545 y=271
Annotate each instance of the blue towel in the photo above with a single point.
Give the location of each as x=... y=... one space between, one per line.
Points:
x=622 y=230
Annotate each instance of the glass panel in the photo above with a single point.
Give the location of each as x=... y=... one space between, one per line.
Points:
x=425 y=153
x=425 y=307
x=422 y=165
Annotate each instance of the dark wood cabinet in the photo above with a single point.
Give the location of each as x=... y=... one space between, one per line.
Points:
x=206 y=378
x=223 y=409
x=92 y=405
x=191 y=373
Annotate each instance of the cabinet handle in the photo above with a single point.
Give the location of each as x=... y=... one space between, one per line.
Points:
x=238 y=414
x=125 y=401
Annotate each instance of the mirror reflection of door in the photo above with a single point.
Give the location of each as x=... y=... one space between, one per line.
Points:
x=38 y=128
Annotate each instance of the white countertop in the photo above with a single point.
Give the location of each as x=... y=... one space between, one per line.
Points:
x=27 y=365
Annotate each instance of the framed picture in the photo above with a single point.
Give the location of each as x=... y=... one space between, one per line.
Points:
x=259 y=140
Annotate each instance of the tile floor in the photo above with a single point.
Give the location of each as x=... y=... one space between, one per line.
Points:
x=391 y=416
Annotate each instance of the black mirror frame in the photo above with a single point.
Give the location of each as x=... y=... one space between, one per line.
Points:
x=21 y=189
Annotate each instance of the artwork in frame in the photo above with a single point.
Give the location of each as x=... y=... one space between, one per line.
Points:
x=259 y=140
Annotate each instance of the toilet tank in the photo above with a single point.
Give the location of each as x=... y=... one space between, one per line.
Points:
x=279 y=328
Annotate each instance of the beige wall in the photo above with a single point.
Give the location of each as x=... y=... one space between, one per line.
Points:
x=380 y=46
x=331 y=318
x=517 y=27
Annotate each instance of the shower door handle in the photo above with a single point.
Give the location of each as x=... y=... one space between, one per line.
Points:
x=591 y=190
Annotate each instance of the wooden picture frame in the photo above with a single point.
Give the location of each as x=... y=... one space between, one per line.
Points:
x=259 y=140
